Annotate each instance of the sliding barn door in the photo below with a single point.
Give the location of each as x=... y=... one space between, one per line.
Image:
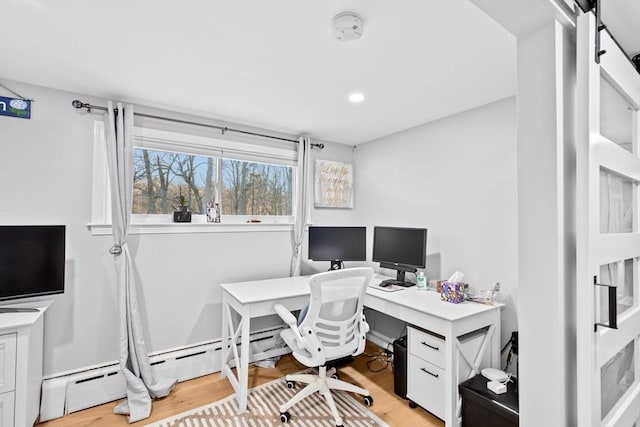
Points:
x=608 y=238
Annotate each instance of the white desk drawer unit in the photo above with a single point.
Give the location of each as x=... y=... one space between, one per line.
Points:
x=427 y=347
x=7 y=378
x=425 y=370
x=428 y=382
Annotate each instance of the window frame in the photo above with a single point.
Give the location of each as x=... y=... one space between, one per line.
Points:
x=156 y=139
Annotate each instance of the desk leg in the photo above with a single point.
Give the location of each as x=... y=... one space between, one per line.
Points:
x=451 y=377
x=224 y=359
x=474 y=366
x=240 y=380
x=243 y=366
x=495 y=341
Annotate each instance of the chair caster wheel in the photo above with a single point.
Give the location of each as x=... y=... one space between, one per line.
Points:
x=412 y=404
x=335 y=377
x=285 y=417
x=368 y=400
x=291 y=385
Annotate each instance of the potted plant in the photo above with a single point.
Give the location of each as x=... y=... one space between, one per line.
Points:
x=182 y=212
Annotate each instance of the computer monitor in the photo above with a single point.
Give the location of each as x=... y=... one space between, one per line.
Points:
x=337 y=244
x=32 y=262
x=399 y=248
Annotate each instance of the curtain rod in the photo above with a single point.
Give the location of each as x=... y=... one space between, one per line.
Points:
x=79 y=104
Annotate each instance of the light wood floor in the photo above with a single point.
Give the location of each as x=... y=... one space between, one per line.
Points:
x=201 y=391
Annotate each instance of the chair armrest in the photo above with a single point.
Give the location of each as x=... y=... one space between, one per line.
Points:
x=363 y=324
x=312 y=345
x=291 y=321
x=285 y=315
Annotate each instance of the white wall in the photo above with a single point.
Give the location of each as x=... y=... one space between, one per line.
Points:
x=45 y=178
x=418 y=177
x=547 y=216
x=458 y=178
x=331 y=216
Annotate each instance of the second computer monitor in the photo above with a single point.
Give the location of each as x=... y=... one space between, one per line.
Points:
x=401 y=249
x=337 y=244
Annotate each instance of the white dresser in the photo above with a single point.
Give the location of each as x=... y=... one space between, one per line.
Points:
x=21 y=353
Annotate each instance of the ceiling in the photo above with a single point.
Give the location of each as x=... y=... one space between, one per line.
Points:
x=274 y=63
x=270 y=63
x=622 y=18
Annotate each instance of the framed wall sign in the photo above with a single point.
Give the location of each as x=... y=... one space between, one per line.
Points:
x=15 y=107
x=333 y=184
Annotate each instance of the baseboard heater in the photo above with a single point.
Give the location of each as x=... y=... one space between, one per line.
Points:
x=81 y=389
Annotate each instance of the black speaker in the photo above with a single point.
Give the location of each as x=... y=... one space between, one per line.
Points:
x=400 y=367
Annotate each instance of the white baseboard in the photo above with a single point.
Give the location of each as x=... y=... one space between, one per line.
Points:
x=380 y=340
x=73 y=391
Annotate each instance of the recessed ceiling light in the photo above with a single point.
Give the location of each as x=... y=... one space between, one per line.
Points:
x=356 y=97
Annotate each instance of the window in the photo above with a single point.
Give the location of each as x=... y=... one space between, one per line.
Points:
x=250 y=188
x=246 y=188
x=249 y=180
x=161 y=177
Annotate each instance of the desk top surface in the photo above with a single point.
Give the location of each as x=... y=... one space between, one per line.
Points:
x=259 y=291
x=20 y=319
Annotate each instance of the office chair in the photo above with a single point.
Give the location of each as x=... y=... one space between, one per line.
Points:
x=334 y=327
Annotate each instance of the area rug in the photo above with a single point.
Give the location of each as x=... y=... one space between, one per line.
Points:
x=263 y=410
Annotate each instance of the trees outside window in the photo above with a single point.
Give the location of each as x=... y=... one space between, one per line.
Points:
x=250 y=188
x=240 y=187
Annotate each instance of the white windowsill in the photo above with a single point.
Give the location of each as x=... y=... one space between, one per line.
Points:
x=192 y=227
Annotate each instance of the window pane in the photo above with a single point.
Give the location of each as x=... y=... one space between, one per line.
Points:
x=618 y=274
x=616 y=376
x=616 y=203
x=160 y=177
x=616 y=115
x=250 y=188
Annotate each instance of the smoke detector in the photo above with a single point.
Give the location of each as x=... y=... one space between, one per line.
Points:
x=347 y=26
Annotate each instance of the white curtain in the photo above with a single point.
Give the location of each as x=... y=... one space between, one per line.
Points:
x=142 y=386
x=302 y=203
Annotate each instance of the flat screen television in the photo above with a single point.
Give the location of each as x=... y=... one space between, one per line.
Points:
x=32 y=261
x=400 y=248
x=337 y=244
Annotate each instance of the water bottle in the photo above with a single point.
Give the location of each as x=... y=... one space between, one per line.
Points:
x=421 y=281
x=494 y=294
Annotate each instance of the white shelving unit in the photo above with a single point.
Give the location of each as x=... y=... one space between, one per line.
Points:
x=21 y=353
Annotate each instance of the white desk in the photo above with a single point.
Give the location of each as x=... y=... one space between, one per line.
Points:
x=416 y=307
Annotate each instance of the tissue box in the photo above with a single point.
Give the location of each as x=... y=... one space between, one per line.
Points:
x=452 y=292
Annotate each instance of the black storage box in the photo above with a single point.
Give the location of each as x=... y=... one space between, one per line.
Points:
x=483 y=408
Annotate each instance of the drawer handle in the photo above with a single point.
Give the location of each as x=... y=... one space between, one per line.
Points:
x=431 y=346
x=430 y=373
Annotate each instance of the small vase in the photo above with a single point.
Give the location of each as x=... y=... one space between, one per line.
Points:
x=183 y=215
